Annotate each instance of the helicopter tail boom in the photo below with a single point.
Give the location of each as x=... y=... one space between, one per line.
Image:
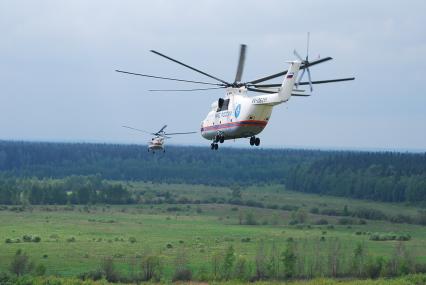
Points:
x=288 y=83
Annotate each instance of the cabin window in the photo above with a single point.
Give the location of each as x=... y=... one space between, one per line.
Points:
x=222 y=104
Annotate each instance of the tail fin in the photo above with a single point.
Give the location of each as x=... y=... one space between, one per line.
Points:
x=289 y=80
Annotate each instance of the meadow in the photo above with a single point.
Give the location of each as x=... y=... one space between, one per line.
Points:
x=75 y=239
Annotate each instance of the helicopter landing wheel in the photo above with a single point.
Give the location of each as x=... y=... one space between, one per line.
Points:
x=216 y=146
x=257 y=141
x=222 y=139
x=212 y=146
x=252 y=141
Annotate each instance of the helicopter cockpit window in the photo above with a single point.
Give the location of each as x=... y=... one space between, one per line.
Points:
x=222 y=104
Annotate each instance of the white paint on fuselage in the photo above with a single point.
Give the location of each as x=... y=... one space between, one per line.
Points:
x=156 y=143
x=242 y=118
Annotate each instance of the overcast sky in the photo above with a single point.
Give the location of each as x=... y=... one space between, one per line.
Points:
x=57 y=62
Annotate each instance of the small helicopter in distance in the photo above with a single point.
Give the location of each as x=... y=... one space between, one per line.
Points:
x=238 y=115
x=157 y=142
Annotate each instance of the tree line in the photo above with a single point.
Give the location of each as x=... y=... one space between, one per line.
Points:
x=378 y=176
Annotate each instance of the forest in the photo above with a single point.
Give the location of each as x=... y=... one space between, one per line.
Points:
x=378 y=176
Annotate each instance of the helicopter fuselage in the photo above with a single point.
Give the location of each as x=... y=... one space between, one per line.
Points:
x=236 y=116
x=156 y=143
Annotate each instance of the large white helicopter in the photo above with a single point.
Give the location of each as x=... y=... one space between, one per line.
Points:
x=157 y=142
x=238 y=115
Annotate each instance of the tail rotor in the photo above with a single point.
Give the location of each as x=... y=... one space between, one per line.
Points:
x=305 y=65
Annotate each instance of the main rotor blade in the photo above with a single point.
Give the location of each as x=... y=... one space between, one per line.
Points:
x=165 y=126
x=261 y=91
x=139 y=130
x=266 y=85
x=195 y=89
x=304 y=83
x=285 y=71
x=268 y=77
x=185 y=133
x=315 y=62
x=190 y=67
x=241 y=63
x=328 y=81
x=169 y=78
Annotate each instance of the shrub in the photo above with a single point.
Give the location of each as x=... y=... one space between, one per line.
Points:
x=345 y=221
x=246 y=239
x=8 y=240
x=108 y=268
x=183 y=274
x=26 y=238
x=169 y=245
x=36 y=239
x=314 y=210
x=132 y=239
x=321 y=222
x=362 y=222
x=250 y=219
x=151 y=268
x=289 y=208
x=40 y=270
x=21 y=263
x=91 y=275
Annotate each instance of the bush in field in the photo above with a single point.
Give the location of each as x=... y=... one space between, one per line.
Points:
x=250 y=219
x=151 y=268
x=71 y=239
x=26 y=238
x=30 y=238
x=241 y=271
x=345 y=221
x=182 y=270
x=246 y=239
x=40 y=270
x=321 y=222
x=288 y=258
x=300 y=216
x=21 y=264
x=91 y=275
x=132 y=239
x=314 y=210
x=228 y=263
x=374 y=267
x=183 y=274
x=108 y=269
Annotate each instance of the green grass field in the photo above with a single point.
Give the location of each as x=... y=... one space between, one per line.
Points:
x=198 y=230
